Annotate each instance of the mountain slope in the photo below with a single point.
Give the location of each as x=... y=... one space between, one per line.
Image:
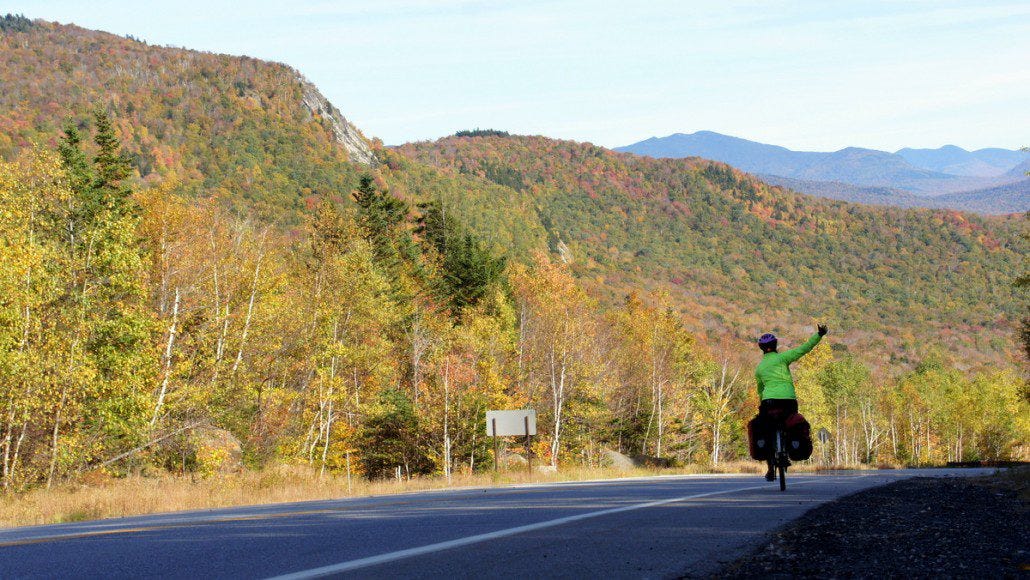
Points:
x=868 y=168
x=747 y=253
x=255 y=134
x=1021 y=170
x=885 y=196
x=1009 y=198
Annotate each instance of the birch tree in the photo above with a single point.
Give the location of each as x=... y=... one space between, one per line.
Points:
x=560 y=330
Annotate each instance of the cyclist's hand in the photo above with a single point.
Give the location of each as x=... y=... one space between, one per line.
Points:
x=822 y=330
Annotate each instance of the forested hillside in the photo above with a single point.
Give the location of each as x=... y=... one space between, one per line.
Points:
x=197 y=273
x=742 y=255
x=252 y=134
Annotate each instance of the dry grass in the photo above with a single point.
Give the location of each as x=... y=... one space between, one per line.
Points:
x=106 y=498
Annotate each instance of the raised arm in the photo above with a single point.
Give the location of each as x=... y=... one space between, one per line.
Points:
x=796 y=353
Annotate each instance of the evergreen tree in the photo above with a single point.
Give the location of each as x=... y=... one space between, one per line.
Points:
x=112 y=167
x=80 y=180
x=389 y=438
x=111 y=322
x=76 y=163
x=380 y=215
x=15 y=23
x=382 y=218
x=469 y=269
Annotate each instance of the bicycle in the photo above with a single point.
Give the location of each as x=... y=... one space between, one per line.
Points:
x=781 y=459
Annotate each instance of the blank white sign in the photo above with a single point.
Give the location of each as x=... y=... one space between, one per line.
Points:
x=511 y=422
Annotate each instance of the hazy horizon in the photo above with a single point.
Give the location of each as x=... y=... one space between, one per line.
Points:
x=801 y=75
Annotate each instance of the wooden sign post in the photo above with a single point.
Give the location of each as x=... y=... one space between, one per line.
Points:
x=824 y=438
x=493 y=422
x=529 y=447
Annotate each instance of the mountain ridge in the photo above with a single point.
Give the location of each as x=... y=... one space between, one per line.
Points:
x=909 y=171
x=986 y=162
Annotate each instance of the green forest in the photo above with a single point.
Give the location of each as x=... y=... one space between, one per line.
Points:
x=184 y=248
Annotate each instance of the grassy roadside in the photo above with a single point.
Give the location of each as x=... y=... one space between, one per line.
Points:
x=96 y=498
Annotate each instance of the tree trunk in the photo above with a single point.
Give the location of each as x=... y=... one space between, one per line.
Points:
x=660 y=426
x=328 y=434
x=53 y=440
x=246 y=320
x=420 y=342
x=172 y=330
x=838 y=439
x=522 y=345
x=446 y=420
x=716 y=436
x=558 y=400
x=17 y=448
x=894 y=437
x=349 y=488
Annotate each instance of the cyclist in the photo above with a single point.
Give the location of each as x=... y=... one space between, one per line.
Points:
x=776 y=385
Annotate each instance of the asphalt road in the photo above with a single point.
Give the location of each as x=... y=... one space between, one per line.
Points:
x=629 y=528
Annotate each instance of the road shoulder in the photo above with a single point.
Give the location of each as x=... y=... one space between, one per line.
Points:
x=923 y=527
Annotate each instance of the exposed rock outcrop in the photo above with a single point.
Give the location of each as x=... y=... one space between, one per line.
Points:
x=345 y=134
x=616 y=460
x=216 y=451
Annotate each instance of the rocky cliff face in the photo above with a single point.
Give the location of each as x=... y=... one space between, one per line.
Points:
x=345 y=134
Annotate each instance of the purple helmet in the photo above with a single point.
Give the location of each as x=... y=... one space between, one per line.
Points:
x=767 y=338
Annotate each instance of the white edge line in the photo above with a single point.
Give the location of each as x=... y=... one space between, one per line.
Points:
x=469 y=540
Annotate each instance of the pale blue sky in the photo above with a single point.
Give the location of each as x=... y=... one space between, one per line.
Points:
x=814 y=75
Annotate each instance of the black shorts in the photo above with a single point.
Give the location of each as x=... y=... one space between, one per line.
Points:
x=777 y=409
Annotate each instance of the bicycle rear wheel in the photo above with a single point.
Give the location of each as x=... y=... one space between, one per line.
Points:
x=781 y=458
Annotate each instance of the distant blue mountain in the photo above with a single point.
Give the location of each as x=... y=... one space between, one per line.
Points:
x=955 y=160
x=741 y=153
x=863 y=167
x=866 y=175
x=852 y=165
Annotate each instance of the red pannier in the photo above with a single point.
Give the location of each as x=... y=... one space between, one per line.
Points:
x=799 y=437
x=758 y=442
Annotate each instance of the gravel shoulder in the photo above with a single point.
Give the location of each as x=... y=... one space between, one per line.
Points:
x=921 y=527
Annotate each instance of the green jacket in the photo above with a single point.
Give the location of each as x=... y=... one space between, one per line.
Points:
x=773 y=372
